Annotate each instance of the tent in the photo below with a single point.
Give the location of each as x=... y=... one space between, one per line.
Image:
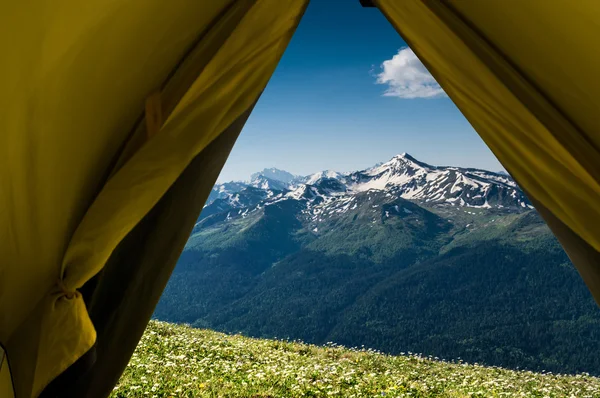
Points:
x=117 y=116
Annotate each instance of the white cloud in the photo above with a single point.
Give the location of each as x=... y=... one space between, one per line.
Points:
x=407 y=77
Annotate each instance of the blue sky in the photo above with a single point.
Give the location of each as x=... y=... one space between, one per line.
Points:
x=344 y=98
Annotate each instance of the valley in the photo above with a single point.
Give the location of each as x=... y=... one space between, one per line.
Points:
x=400 y=257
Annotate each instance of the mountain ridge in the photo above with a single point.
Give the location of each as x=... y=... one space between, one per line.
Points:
x=403 y=175
x=448 y=261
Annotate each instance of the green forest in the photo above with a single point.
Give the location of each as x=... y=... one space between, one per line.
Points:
x=500 y=292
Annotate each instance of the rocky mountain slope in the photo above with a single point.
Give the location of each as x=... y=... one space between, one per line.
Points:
x=403 y=177
x=402 y=256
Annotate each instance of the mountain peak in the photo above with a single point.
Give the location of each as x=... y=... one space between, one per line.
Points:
x=276 y=174
x=399 y=164
x=407 y=156
x=408 y=160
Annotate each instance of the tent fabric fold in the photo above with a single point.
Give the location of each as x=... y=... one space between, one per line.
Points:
x=122 y=297
x=527 y=85
x=98 y=64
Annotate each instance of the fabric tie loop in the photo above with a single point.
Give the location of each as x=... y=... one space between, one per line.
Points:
x=66 y=292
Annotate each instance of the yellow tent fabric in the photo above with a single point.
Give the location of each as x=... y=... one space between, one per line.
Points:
x=524 y=76
x=76 y=84
x=121 y=298
x=116 y=117
x=6 y=387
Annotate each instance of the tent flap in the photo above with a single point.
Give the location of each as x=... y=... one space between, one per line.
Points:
x=122 y=297
x=528 y=87
x=98 y=64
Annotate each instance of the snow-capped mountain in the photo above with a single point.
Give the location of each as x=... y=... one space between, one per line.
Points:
x=275 y=175
x=225 y=190
x=403 y=178
x=266 y=183
x=271 y=179
x=411 y=179
x=313 y=178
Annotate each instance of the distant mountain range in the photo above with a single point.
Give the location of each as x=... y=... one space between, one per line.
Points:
x=403 y=176
x=404 y=256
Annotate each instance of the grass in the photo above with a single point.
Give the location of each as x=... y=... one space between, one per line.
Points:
x=179 y=361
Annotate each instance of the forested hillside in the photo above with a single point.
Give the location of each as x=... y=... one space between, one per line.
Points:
x=403 y=257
